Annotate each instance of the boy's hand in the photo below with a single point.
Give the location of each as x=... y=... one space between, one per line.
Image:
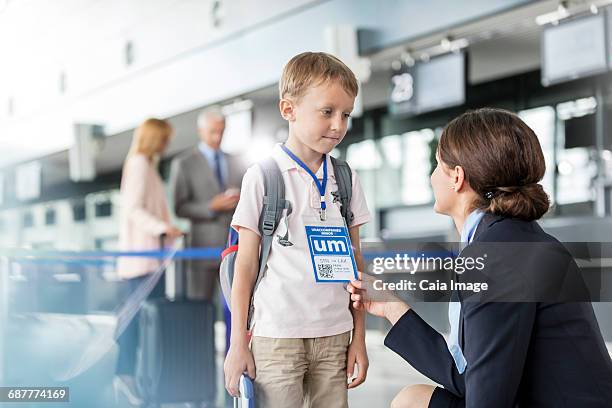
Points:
x=239 y=360
x=357 y=354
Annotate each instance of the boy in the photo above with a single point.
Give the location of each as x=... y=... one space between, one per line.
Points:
x=301 y=351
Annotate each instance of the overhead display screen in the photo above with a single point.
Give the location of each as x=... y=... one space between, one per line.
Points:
x=429 y=86
x=574 y=49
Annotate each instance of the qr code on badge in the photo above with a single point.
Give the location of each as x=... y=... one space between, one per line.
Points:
x=325 y=271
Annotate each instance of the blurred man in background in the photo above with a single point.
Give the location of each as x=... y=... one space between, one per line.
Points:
x=205 y=183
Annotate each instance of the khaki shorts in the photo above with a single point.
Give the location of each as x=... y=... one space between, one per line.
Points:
x=293 y=373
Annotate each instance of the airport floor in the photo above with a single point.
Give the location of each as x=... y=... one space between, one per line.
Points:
x=60 y=346
x=387 y=374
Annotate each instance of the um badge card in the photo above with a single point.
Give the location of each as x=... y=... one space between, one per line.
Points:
x=331 y=253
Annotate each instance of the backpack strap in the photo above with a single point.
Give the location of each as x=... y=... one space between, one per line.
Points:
x=344 y=179
x=274 y=197
x=272 y=211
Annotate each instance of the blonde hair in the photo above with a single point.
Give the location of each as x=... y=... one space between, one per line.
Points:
x=150 y=136
x=310 y=69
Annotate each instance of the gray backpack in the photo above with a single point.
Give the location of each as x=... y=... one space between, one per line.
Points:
x=274 y=205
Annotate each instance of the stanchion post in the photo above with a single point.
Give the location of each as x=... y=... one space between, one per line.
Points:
x=5 y=264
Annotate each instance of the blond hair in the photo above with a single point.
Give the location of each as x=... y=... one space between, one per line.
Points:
x=310 y=69
x=150 y=136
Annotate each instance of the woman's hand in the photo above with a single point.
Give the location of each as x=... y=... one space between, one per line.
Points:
x=380 y=303
x=172 y=232
x=357 y=354
x=239 y=360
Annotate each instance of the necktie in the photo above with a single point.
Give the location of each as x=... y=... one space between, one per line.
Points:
x=218 y=172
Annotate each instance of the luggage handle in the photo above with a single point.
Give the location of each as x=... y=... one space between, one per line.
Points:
x=247 y=393
x=178 y=280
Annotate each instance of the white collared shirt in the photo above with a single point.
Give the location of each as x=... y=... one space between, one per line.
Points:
x=288 y=302
x=454 y=308
x=209 y=155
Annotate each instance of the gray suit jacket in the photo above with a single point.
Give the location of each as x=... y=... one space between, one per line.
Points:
x=193 y=186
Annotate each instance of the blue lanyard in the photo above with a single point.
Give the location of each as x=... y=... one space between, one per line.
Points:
x=320 y=186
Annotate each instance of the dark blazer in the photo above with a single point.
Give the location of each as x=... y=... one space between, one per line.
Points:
x=519 y=354
x=193 y=185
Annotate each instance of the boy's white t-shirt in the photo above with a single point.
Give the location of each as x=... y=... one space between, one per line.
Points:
x=288 y=302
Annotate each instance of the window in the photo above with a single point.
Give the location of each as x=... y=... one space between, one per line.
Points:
x=576 y=165
x=398 y=167
x=103 y=209
x=28 y=219
x=365 y=159
x=78 y=212
x=389 y=174
x=542 y=122
x=363 y=155
x=576 y=173
x=49 y=216
x=416 y=187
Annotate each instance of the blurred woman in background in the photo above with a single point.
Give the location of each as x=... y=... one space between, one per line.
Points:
x=144 y=217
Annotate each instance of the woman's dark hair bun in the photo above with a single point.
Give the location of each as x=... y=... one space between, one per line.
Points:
x=529 y=202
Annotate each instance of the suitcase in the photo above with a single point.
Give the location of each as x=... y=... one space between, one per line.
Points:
x=176 y=355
